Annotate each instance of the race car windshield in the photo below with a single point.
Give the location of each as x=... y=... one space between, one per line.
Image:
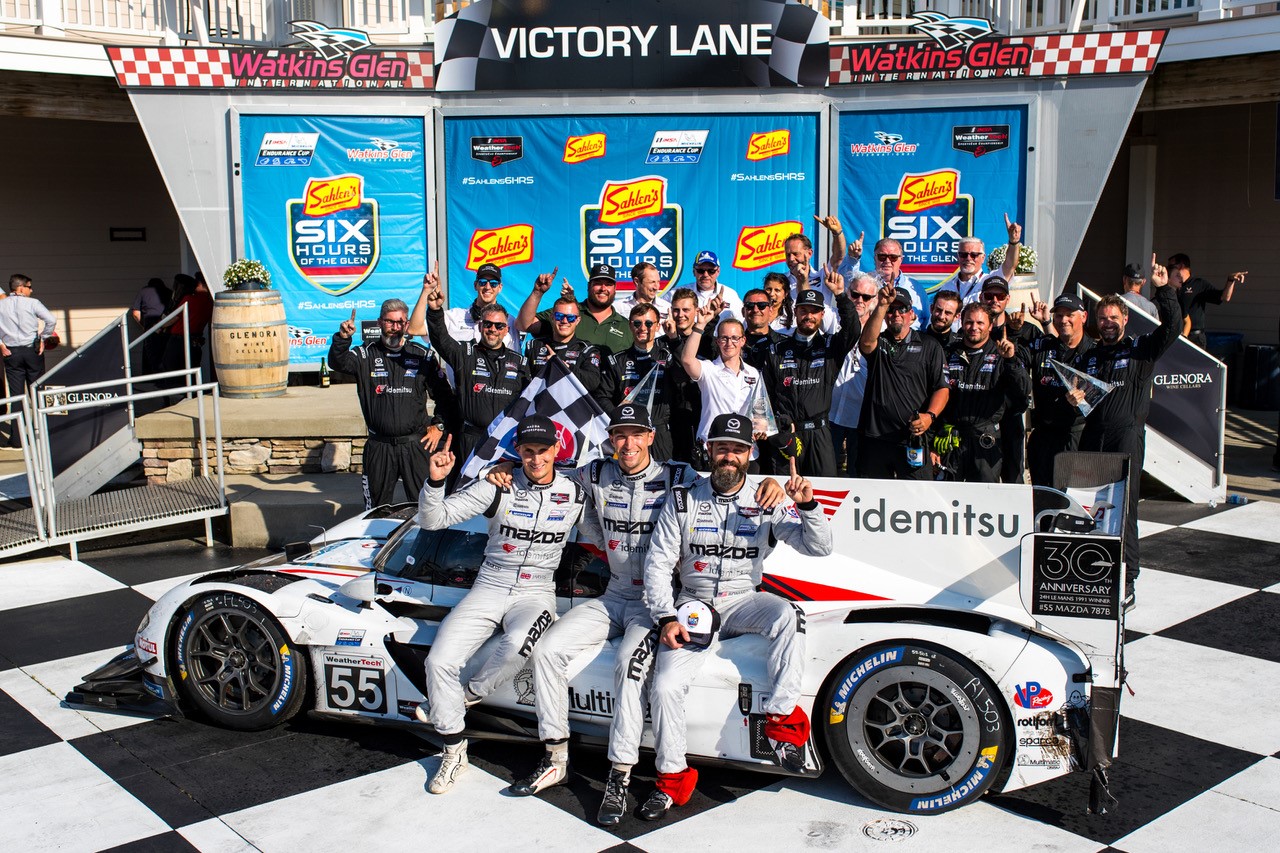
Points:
x=408 y=549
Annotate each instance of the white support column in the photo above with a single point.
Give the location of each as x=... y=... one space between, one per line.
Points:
x=1140 y=232
x=51 y=23
x=1211 y=10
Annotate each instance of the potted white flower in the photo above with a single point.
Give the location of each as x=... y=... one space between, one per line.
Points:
x=246 y=274
x=1027 y=260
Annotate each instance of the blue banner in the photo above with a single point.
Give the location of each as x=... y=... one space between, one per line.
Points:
x=335 y=207
x=927 y=178
x=534 y=193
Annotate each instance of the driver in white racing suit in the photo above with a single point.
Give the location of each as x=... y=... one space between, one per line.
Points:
x=623 y=496
x=514 y=592
x=716 y=536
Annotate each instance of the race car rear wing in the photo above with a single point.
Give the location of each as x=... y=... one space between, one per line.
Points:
x=1072 y=583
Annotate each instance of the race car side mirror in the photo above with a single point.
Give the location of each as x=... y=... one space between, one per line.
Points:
x=362 y=589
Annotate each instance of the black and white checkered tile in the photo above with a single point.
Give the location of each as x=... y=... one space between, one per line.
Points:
x=1199 y=767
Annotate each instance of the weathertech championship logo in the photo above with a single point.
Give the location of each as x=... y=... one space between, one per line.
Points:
x=334 y=58
x=955 y=48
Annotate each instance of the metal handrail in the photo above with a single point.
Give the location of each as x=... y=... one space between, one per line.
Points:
x=23 y=422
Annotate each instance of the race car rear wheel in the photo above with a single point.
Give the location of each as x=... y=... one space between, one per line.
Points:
x=914 y=728
x=235 y=665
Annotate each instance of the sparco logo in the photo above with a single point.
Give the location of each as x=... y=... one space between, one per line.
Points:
x=531 y=535
x=732 y=552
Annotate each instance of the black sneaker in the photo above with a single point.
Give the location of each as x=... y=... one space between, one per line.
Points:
x=615 y=799
x=1130 y=597
x=548 y=774
x=790 y=757
x=656 y=807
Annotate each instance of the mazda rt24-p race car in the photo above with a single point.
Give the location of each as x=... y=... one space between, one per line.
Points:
x=962 y=638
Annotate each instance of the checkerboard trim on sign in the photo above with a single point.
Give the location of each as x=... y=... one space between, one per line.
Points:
x=158 y=67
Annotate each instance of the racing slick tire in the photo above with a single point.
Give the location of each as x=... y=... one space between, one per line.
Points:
x=914 y=727
x=234 y=664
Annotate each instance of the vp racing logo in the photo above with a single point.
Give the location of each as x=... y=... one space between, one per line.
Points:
x=633 y=221
x=333 y=233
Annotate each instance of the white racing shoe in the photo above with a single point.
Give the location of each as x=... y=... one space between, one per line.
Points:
x=453 y=762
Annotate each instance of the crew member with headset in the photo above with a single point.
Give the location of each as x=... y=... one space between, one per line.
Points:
x=391 y=376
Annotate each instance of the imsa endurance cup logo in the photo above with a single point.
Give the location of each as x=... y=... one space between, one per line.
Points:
x=333 y=232
x=633 y=222
x=928 y=216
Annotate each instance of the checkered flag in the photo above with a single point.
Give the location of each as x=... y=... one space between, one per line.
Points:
x=463 y=46
x=800 y=54
x=581 y=425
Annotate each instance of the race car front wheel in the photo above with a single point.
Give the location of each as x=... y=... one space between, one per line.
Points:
x=234 y=664
x=914 y=728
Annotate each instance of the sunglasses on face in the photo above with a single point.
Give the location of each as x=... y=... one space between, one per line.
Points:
x=755 y=306
x=884 y=256
x=865 y=297
x=897 y=309
x=493 y=324
x=488 y=282
x=562 y=317
x=973 y=255
x=705 y=271
x=647 y=324
x=992 y=295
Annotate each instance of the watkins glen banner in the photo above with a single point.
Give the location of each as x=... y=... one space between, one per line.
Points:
x=336 y=209
x=927 y=178
x=534 y=193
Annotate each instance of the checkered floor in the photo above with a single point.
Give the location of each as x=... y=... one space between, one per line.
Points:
x=1200 y=765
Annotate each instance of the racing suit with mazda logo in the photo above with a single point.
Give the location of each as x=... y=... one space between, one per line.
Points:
x=627 y=369
x=514 y=592
x=487 y=381
x=392 y=386
x=717 y=544
x=801 y=377
x=983 y=386
x=618 y=518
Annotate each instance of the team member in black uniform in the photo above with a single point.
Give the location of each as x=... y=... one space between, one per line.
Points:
x=488 y=374
x=682 y=392
x=943 y=314
x=1056 y=423
x=559 y=337
x=1194 y=293
x=757 y=315
x=800 y=373
x=1013 y=429
x=906 y=389
x=986 y=377
x=391 y=381
x=633 y=364
x=1118 y=423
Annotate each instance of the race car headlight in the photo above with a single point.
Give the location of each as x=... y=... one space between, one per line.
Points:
x=146 y=620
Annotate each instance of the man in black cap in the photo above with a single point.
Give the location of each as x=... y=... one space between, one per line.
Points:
x=488 y=375
x=1056 y=423
x=1013 y=326
x=514 y=592
x=1118 y=422
x=627 y=369
x=600 y=325
x=392 y=376
x=464 y=323
x=715 y=535
x=986 y=377
x=1131 y=282
x=1194 y=293
x=800 y=373
x=906 y=391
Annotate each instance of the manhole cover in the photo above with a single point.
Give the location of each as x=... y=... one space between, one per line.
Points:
x=888 y=829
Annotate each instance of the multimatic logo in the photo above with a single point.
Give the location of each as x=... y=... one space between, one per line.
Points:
x=633 y=221
x=334 y=233
x=336 y=59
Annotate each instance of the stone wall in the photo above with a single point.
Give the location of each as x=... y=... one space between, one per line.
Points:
x=168 y=460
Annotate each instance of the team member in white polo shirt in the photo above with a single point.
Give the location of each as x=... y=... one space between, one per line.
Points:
x=970 y=255
x=726 y=384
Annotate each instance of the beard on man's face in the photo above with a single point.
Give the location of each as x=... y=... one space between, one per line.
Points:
x=727 y=474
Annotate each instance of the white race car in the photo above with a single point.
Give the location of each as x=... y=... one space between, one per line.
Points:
x=961 y=639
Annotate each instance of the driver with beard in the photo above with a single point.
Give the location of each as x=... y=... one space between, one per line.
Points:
x=715 y=536
x=391 y=381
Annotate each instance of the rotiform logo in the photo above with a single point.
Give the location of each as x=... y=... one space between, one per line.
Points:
x=958 y=521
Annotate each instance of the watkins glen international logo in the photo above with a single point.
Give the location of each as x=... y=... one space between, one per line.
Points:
x=578 y=149
x=510 y=244
x=953 y=48
x=762 y=246
x=333 y=232
x=633 y=221
x=762 y=146
x=335 y=58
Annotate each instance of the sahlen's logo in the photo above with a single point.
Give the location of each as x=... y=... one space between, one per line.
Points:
x=633 y=221
x=333 y=231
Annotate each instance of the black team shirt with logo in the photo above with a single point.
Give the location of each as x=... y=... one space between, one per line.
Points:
x=901 y=377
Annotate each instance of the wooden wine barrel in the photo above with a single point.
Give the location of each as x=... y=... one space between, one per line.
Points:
x=250 y=343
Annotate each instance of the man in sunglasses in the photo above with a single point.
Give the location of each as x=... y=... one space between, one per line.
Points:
x=392 y=376
x=971 y=252
x=25 y=325
x=600 y=324
x=488 y=374
x=851 y=382
x=906 y=390
x=628 y=368
x=757 y=314
x=706 y=276
x=560 y=338
x=464 y=323
x=1022 y=331
x=888 y=259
